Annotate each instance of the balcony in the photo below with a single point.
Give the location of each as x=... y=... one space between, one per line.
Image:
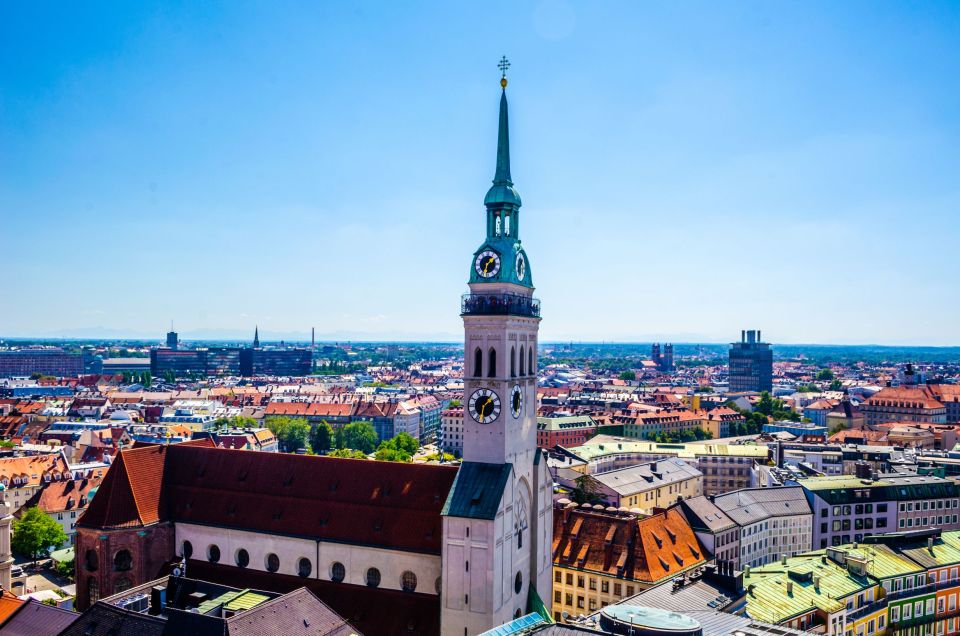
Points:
x=499 y=305
x=867 y=610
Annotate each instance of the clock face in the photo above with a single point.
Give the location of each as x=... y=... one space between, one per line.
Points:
x=516 y=401
x=521 y=266
x=484 y=406
x=487 y=264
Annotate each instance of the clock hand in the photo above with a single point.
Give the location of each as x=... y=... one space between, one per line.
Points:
x=487 y=266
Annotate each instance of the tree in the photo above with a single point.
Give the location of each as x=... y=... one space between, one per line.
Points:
x=836 y=385
x=455 y=403
x=586 y=490
x=293 y=433
x=298 y=435
x=348 y=453
x=361 y=436
x=321 y=437
x=628 y=376
x=401 y=448
x=825 y=375
x=35 y=534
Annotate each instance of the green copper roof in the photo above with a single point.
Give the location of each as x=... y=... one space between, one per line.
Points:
x=502 y=190
x=477 y=490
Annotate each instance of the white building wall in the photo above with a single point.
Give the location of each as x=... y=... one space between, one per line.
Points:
x=356 y=559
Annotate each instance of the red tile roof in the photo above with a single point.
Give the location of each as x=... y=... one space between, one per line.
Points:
x=385 y=504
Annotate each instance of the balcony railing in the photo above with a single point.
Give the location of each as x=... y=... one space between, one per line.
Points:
x=866 y=609
x=499 y=305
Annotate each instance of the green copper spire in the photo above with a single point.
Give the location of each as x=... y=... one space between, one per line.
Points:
x=502 y=192
x=503 y=145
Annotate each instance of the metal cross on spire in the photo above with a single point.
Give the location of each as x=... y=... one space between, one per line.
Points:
x=504 y=65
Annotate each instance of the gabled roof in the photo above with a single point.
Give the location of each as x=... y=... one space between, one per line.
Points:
x=477 y=491
x=104 y=619
x=34 y=618
x=386 y=504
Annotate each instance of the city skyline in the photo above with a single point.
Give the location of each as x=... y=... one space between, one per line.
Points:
x=759 y=186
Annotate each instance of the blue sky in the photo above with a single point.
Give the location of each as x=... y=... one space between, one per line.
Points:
x=687 y=169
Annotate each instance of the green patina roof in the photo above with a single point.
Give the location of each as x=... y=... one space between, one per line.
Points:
x=477 y=490
x=840 y=489
x=944 y=552
x=236 y=600
x=769 y=602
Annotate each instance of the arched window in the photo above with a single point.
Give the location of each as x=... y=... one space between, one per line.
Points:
x=92 y=561
x=497 y=226
x=93 y=589
x=187 y=550
x=530 y=367
x=521 y=362
x=506 y=224
x=513 y=362
x=123 y=561
x=242 y=558
x=337 y=572
x=272 y=562
x=478 y=363
x=373 y=577
x=519 y=538
x=213 y=553
x=408 y=581
x=304 y=567
x=122 y=585
x=518 y=582
x=492 y=363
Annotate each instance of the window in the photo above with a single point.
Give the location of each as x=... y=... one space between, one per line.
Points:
x=373 y=577
x=580 y=581
x=580 y=602
x=478 y=363
x=605 y=586
x=518 y=582
x=122 y=585
x=91 y=560
x=187 y=550
x=304 y=567
x=123 y=561
x=93 y=589
x=408 y=581
x=213 y=553
x=492 y=363
x=557 y=597
x=522 y=373
x=593 y=583
x=272 y=562
x=569 y=579
x=557 y=577
x=513 y=362
x=242 y=558
x=532 y=370
x=617 y=589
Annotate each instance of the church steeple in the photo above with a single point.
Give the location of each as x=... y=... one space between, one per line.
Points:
x=256 y=337
x=501 y=193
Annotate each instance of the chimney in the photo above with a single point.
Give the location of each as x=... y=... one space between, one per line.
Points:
x=816 y=582
x=930 y=544
x=158 y=599
x=783 y=559
x=789 y=588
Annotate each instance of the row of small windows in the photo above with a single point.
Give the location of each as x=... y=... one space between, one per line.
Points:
x=338 y=572
x=492 y=362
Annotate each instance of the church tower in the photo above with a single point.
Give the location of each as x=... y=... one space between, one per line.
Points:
x=498 y=518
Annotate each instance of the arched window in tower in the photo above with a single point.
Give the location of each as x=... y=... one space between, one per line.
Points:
x=93 y=589
x=492 y=363
x=521 y=362
x=478 y=363
x=123 y=561
x=513 y=362
x=531 y=367
x=506 y=224
x=497 y=224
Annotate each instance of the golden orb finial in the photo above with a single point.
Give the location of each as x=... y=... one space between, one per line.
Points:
x=503 y=82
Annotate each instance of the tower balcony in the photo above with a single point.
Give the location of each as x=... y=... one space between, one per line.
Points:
x=501 y=304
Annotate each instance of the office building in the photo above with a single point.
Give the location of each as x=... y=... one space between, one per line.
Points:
x=751 y=364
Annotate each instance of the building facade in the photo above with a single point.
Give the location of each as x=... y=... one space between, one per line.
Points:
x=751 y=364
x=26 y=362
